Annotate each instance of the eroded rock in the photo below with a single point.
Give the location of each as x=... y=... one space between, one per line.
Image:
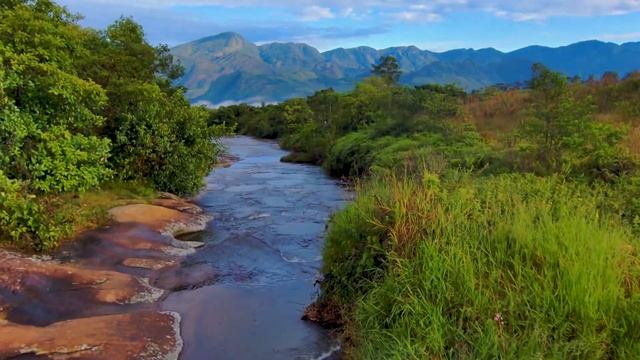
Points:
x=151 y=264
x=226 y=160
x=64 y=308
x=140 y=335
x=179 y=205
x=185 y=278
x=325 y=314
x=159 y=218
x=38 y=292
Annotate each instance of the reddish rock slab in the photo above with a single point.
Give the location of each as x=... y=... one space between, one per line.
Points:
x=226 y=160
x=151 y=264
x=159 y=218
x=140 y=335
x=39 y=292
x=184 y=277
x=106 y=286
x=62 y=309
x=179 y=205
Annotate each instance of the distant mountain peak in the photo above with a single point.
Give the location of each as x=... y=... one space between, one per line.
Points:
x=227 y=68
x=229 y=35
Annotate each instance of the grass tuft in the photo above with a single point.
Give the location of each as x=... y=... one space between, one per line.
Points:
x=512 y=266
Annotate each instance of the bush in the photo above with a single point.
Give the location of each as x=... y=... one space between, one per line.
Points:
x=23 y=221
x=358 y=153
x=67 y=95
x=63 y=162
x=350 y=156
x=504 y=267
x=161 y=138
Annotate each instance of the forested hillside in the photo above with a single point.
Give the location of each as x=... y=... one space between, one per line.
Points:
x=87 y=117
x=226 y=68
x=502 y=224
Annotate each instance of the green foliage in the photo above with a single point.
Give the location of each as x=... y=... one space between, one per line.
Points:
x=48 y=112
x=357 y=153
x=161 y=138
x=64 y=162
x=627 y=96
x=23 y=221
x=443 y=255
x=78 y=107
x=387 y=68
x=506 y=267
x=563 y=135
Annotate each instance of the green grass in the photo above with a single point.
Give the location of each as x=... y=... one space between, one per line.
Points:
x=514 y=267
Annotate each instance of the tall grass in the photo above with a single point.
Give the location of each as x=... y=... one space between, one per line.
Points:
x=505 y=267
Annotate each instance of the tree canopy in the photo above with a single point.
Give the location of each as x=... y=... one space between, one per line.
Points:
x=79 y=107
x=388 y=68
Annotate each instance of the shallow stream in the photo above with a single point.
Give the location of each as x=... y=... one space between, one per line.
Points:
x=265 y=244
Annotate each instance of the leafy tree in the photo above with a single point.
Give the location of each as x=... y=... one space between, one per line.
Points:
x=78 y=106
x=23 y=220
x=563 y=131
x=388 y=69
x=610 y=78
x=161 y=138
x=155 y=133
x=49 y=113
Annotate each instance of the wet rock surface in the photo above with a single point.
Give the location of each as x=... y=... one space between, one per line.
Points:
x=93 y=299
x=109 y=337
x=162 y=219
x=240 y=284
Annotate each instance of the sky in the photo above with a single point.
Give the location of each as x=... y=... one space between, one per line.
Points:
x=436 y=25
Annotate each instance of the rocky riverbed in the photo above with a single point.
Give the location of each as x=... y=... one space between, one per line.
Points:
x=236 y=288
x=98 y=297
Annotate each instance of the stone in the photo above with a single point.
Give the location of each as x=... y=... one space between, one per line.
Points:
x=151 y=264
x=159 y=218
x=179 y=205
x=38 y=292
x=18 y=272
x=140 y=335
x=185 y=278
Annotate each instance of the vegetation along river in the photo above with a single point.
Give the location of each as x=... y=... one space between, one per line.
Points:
x=265 y=245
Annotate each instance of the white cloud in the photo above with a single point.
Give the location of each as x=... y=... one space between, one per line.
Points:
x=418 y=16
x=315 y=13
x=347 y=12
x=543 y=9
x=631 y=36
x=324 y=9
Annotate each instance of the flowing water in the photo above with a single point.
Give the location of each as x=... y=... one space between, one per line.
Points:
x=265 y=244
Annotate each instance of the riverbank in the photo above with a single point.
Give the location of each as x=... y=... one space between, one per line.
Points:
x=97 y=297
x=132 y=290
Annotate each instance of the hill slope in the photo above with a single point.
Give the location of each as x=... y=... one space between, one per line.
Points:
x=226 y=68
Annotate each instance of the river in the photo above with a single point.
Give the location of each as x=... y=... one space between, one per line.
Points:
x=265 y=244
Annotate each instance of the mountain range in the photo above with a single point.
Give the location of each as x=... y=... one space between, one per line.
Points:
x=226 y=68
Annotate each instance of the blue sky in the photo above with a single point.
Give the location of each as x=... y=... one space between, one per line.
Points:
x=434 y=25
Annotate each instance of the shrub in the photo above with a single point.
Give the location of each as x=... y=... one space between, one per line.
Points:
x=505 y=267
x=22 y=219
x=63 y=162
x=161 y=138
